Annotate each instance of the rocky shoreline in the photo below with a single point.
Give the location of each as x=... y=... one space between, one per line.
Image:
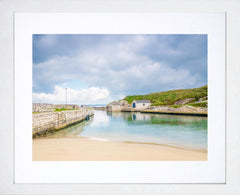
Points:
x=179 y=108
x=184 y=110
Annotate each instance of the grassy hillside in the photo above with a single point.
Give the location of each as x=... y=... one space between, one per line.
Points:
x=170 y=97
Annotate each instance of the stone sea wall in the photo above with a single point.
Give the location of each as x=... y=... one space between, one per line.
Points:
x=183 y=110
x=52 y=121
x=114 y=108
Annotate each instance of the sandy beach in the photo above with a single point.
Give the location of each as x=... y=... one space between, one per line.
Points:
x=84 y=149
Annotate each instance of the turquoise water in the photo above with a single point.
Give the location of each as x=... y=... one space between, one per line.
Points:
x=173 y=130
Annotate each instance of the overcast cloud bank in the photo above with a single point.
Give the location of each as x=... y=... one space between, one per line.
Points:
x=97 y=69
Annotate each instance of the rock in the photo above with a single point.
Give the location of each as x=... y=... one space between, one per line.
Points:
x=184 y=101
x=203 y=98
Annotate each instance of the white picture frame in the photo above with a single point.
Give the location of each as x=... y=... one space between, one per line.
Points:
x=211 y=171
x=7 y=162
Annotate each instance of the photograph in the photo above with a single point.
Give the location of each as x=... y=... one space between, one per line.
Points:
x=119 y=97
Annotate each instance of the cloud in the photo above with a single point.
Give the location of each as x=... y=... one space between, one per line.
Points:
x=92 y=95
x=121 y=64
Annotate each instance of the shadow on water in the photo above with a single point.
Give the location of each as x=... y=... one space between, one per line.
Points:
x=72 y=131
x=137 y=118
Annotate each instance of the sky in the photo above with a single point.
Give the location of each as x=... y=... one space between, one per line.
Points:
x=100 y=68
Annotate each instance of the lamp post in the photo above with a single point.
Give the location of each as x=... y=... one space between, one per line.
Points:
x=66 y=98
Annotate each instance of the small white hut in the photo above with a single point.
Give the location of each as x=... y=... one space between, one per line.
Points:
x=141 y=104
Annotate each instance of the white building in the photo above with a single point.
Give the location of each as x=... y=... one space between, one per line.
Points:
x=141 y=104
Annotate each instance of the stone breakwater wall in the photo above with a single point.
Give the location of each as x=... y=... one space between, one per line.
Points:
x=184 y=110
x=43 y=123
x=99 y=108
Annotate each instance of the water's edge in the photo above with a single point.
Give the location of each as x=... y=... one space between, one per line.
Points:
x=177 y=131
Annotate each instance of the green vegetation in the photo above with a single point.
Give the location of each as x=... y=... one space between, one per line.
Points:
x=64 y=109
x=201 y=104
x=35 y=112
x=175 y=106
x=170 y=97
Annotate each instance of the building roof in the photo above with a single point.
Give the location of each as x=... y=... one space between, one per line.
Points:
x=142 y=101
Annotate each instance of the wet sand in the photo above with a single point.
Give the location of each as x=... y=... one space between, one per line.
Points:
x=84 y=149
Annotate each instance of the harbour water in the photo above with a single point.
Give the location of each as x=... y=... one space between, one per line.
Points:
x=188 y=132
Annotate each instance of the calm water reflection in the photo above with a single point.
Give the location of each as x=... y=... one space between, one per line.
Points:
x=180 y=131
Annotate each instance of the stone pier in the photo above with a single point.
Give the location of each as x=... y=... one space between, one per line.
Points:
x=43 y=123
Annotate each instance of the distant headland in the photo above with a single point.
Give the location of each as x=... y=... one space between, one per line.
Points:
x=183 y=101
